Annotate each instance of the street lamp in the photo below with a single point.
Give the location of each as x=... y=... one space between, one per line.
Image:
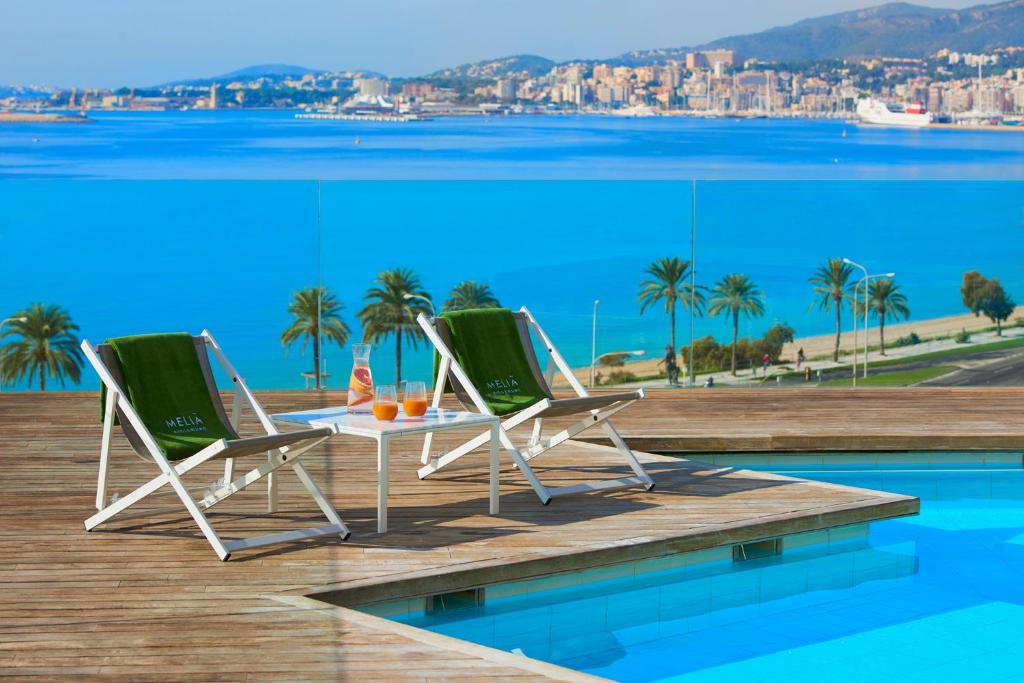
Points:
x=856 y=289
x=593 y=344
x=867 y=279
x=19 y=319
x=421 y=297
x=621 y=353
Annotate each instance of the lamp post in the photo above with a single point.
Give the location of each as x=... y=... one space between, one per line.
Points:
x=427 y=299
x=19 y=319
x=866 y=280
x=593 y=344
x=856 y=289
x=638 y=352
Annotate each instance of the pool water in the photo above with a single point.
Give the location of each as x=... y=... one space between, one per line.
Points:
x=939 y=596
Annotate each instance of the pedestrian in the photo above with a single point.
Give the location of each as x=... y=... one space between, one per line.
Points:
x=709 y=383
x=799 y=358
x=671 y=368
x=766 y=360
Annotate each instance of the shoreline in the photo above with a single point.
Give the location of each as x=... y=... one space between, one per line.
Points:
x=819 y=346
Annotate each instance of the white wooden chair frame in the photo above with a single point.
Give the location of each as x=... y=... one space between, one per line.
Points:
x=537 y=444
x=171 y=473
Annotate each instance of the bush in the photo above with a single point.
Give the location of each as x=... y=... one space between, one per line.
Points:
x=910 y=340
x=962 y=337
x=710 y=356
x=620 y=377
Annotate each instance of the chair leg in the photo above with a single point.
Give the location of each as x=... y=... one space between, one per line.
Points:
x=193 y=510
x=125 y=502
x=627 y=453
x=108 y=428
x=272 y=487
x=321 y=500
x=527 y=471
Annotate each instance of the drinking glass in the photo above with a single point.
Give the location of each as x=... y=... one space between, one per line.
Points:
x=385 y=403
x=414 y=400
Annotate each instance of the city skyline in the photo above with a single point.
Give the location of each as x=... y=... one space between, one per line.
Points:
x=119 y=43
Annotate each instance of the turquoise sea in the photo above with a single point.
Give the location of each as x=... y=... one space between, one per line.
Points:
x=185 y=220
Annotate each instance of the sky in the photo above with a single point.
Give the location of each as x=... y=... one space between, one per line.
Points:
x=109 y=43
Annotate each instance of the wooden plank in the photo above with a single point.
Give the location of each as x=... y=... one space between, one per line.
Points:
x=145 y=598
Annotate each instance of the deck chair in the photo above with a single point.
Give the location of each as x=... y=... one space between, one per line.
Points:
x=167 y=404
x=492 y=368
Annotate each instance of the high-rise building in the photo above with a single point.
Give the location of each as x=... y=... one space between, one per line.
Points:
x=934 y=98
x=213 y=96
x=505 y=89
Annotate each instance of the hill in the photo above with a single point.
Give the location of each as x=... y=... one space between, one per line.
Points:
x=895 y=30
x=497 y=68
x=276 y=71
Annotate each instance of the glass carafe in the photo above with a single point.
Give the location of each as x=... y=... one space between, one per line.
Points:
x=360 y=382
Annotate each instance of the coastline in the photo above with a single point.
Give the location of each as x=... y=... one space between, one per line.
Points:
x=820 y=346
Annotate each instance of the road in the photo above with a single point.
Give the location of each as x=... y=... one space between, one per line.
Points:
x=1005 y=372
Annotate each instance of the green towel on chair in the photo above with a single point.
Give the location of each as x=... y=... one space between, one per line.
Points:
x=166 y=387
x=487 y=345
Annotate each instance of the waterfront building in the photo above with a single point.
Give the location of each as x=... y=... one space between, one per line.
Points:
x=372 y=87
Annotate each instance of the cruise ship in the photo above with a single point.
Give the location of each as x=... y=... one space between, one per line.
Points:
x=878 y=113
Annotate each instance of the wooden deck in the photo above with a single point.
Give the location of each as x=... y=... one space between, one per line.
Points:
x=138 y=600
x=820 y=419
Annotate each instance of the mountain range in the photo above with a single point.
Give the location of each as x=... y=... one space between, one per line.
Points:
x=895 y=29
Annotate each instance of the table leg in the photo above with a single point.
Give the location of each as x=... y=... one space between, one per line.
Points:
x=494 y=469
x=382 y=485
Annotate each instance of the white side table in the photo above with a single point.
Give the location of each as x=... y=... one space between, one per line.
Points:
x=340 y=421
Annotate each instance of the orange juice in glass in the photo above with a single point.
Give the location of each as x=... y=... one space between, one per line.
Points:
x=385 y=403
x=414 y=400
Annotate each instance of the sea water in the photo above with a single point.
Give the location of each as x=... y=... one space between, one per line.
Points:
x=185 y=220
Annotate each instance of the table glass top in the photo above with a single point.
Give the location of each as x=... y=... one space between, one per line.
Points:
x=341 y=419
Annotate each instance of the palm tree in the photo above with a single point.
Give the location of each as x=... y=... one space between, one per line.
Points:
x=668 y=283
x=308 y=306
x=389 y=311
x=735 y=294
x=470 y=294
x=44 y=344
x=885 y=298
x=832 y=283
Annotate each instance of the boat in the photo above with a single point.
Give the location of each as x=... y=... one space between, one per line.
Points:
x=878 y=113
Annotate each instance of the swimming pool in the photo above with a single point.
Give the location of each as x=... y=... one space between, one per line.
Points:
x=939 y=596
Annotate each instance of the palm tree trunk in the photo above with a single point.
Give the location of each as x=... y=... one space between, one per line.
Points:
x=735 y=332
x=672 y=324
x=398 y=357
x=839 y=331
x=42 y=377
x=881 y=329
x=316 y=358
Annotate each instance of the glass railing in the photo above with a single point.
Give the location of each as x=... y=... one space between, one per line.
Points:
x=125 y=257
